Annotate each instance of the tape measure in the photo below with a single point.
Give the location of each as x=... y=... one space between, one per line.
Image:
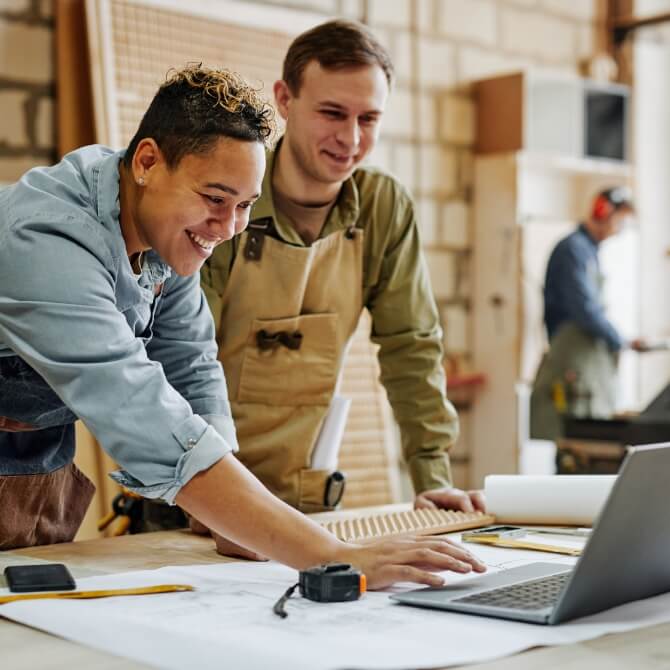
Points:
x=328 y=583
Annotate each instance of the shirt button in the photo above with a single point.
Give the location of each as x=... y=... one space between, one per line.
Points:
x=191 y=443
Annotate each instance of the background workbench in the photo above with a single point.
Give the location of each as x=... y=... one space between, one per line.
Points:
x=24 y=648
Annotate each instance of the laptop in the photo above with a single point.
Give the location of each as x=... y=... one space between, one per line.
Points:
x=625 y=558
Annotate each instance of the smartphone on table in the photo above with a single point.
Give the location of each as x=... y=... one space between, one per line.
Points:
x=40 y=577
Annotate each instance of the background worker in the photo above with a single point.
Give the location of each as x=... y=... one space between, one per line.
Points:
x=102 y=318
x=327 y=239
x=577 y=376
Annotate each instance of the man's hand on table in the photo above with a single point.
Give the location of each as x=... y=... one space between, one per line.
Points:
x=223 y=546
x=451 y=498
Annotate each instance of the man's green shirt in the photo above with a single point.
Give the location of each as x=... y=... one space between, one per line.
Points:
x=397 y=293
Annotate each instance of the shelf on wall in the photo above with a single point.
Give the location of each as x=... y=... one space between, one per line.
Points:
x=578 y=166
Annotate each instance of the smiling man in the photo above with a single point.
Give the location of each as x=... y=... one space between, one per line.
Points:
x=328 y=238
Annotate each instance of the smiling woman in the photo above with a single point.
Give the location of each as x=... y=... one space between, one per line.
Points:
x=120 y=336
x=194 y=167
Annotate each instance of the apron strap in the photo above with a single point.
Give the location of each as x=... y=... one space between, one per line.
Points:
x=256 y=232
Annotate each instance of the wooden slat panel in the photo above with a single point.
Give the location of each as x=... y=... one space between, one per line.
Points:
x=367 y=455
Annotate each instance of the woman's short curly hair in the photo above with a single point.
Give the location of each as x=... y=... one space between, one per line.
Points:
x=196 y=106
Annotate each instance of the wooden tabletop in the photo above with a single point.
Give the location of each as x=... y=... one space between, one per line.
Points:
x=24 y=648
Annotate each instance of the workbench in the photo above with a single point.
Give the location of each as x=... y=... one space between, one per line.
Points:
x=25 y=648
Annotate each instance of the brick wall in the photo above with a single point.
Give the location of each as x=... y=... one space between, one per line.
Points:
x=444 y=45
x=26 y=86
x=439 y=47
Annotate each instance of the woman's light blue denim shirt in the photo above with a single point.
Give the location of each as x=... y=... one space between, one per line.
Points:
x=140 y=371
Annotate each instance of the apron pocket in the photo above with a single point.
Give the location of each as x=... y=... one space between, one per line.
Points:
x=290 y=361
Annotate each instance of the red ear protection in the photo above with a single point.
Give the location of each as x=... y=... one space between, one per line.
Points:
x=602 y=207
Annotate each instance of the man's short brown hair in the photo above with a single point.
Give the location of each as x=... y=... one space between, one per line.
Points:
x=334 y=45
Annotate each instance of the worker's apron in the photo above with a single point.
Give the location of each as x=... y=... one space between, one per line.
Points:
x=288 y=314
x=43 y=495
x=577 y=377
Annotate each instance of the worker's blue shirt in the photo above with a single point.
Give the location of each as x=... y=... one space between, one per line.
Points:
x=133 y=357
x=572 y=289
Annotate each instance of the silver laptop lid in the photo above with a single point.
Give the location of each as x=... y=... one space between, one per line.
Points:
x=628 y=555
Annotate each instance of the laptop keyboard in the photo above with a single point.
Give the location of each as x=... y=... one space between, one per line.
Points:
x=532 y=595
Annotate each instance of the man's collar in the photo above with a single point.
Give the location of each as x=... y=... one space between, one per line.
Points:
x=107 y=193
x=583 y=228
x=344 y=214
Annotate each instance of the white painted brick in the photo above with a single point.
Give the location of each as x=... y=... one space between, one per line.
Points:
x=403 y=55
x=584 y=10
x=427 y=219
x=457 y=119
x=474 y=20
x=397 y=13
x=404 y=168
x=475 y=63
x=425 y=10
x=456 y=329
x=381 y=156
x=385 y=38
x=14 y=6
x=442 y=271
x=45 y=131
x=454 y=227
x=427 y=122
x=326 y=6
x=13 y=123
x=538 y=35
x=466 y=169
x=439 y=170
x=399 y=114
x=25 y=52
x=352 y=9
x=436 y=63
x=13 y=168
x=586 y=40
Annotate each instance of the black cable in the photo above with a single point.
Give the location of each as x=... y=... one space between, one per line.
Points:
x=278 y=608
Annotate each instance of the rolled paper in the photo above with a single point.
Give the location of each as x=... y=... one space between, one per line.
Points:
x=547 y=499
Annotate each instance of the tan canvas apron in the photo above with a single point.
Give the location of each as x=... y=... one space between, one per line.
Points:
x=578 y=377
x=288 y=314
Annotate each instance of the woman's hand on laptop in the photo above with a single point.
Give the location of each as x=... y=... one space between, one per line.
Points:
x=451 y=498
x=410 y=559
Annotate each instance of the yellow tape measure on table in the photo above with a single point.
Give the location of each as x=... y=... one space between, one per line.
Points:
x=105 y=593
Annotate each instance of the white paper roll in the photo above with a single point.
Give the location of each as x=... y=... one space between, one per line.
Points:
x=549 y=499
x=327 y=447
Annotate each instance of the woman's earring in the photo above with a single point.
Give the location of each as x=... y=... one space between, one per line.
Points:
x=140 y=181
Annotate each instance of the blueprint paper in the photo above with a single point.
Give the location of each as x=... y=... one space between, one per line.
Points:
x=228 y=622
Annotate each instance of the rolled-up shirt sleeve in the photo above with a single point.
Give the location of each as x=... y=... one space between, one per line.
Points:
x=58 y=312
x=183 y=343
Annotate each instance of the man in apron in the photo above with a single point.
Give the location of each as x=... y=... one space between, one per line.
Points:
x=577 y=376
x=327 y=239
x=102 y=318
